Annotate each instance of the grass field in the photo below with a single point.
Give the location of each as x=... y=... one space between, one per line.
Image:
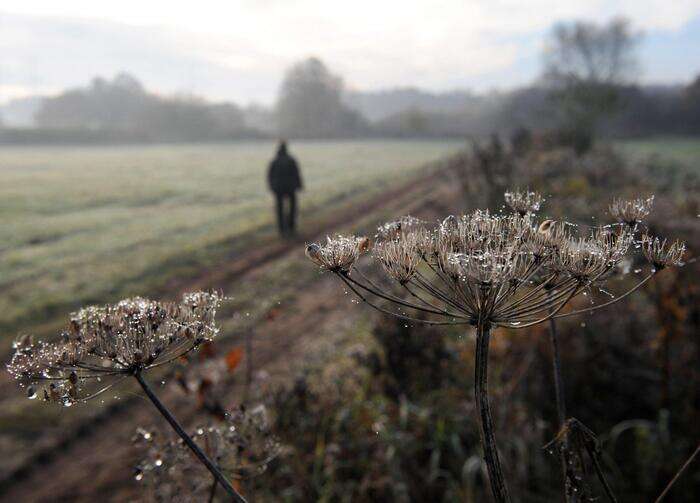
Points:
x=685 y=151
x=89 y=224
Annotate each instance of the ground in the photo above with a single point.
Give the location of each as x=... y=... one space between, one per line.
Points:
x=294 y=313
x=85 y=225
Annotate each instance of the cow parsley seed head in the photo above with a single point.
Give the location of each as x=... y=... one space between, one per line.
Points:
x=394 y=229
x=523 y=202
x=631 y=211
x=542 y=241
x=481 y=268
x=400 y=257
x=339 y=253
x=487 y=268
x=589 y=259
x=103 y=344
x=661 y=253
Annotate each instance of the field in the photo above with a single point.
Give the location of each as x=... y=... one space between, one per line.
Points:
x=84 y=225
x=95 y=224
x=684 y=151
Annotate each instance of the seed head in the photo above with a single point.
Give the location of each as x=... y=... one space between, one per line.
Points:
x=400 y=257
x=510 y=270
x=587 y=259
x=395 y=228
x=486 y=267
x=523 y=202
x=339 y=253
x=662 y=254
x=102 y=343
x=631 y=212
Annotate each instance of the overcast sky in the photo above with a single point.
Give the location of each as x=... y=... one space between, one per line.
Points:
x=238 y=50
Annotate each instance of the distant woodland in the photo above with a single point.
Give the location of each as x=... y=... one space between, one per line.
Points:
x=314 y=103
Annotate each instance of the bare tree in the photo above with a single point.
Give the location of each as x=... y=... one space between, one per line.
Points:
x=585 y=65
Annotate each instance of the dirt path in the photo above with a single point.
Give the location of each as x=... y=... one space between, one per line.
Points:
x=92 y=461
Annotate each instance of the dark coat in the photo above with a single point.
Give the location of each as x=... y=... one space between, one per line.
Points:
x=283 y=174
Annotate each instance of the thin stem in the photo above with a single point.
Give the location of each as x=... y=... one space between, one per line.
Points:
x=553 y=313
x=188 y=440
x=678 y=475
x=558 y=394
x=488 y=440
x=601 y=475
x=212 y=492
x=397 y=315
x=613 y=301
x=556 y=368
x=395 y=300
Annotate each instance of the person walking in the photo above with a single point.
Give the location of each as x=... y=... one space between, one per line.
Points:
x=284 y=180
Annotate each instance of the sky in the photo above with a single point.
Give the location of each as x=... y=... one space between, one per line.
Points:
x=238 y=50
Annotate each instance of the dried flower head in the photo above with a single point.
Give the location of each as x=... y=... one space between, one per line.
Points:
x=400 y=257
x=631 y=211
x=510 y=270
x=589 y=259
x=339 y=253
x=491 y=270
x=661 y=254
x=394 y=229
x=523 y=202
x=548 y=237
x=489 y=267
x=241 y=445
x=105 y=344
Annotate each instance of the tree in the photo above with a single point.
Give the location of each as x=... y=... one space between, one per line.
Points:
x=124 y=107
x=585 y=65
x=310 y=103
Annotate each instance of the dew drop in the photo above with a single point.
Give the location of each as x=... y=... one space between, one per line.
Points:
x=159 y=462
x=31 y=393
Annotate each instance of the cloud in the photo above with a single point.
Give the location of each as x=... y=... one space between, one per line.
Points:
x=239 y=49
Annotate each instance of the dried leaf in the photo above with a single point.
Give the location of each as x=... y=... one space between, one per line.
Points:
x=233 y=358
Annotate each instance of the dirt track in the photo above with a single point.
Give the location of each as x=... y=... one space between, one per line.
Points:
x=93 y=462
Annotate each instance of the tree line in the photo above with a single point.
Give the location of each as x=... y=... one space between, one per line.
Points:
x=587 y=88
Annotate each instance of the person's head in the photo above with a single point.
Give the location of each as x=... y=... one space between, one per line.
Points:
x=282 y=147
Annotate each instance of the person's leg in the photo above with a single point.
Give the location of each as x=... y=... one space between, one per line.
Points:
x=285 y=213
x=280 y=212
x=292 y=212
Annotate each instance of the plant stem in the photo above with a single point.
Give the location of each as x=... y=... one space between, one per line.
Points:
x=212 y=492
x=559 y=398
x=678 y=475
x=493 y=464
x=556 y=367
x=188 y=440
x=601 y=475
